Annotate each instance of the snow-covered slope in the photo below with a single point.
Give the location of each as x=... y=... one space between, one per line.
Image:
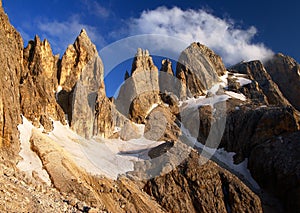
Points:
x=98 y=156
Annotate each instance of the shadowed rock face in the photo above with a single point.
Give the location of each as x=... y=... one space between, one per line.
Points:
x=11 y=59
x=249 y=127
x=197 y=71
x=285 y=72
x=256 y=72
x=193 y=187
x=276 y=167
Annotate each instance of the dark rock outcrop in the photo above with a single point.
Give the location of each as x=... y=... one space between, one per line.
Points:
x=252 y=91
x=257 y=73
x=248 y=127
x=275 y=165
x=285 y=72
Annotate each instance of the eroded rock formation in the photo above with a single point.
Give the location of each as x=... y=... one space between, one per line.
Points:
x=39 y=83
x=141 y=91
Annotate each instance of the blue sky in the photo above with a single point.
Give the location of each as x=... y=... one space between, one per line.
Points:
x=237 y=30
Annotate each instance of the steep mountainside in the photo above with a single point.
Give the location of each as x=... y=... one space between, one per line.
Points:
x=11 y=57
x=204 y=139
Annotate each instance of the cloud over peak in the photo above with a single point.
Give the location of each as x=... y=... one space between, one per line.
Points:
x=221 y=35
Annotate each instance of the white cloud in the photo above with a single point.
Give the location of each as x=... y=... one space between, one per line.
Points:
x=232 y=43
x=62 y=33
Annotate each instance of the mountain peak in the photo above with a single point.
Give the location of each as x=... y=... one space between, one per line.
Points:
x=75 y=59
x=143 y=62
x=83 y=31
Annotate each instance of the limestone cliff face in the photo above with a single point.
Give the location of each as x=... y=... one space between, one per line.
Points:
x=75 y=59
x=198 y=70
x=11 y=60
x=215 y=59
x=141 y=90
x=285 y=72
x=39 y=83
x=82 y=94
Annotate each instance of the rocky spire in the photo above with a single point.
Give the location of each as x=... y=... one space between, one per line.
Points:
x=141 y=91
x=39 y=77
x=142 y=62
x=83 y=95
x=74 y=60
x=166 y=66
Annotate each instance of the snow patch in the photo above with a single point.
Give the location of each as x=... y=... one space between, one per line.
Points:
x=202 y=101
x=225 y=157
x=236 y=95
x=59 y=88
x=243 y=81
x=99 y=156
x=151 y=108
x=31 y=162
x=224 y=78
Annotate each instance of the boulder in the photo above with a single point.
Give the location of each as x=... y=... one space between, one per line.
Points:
x=129 y=131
